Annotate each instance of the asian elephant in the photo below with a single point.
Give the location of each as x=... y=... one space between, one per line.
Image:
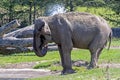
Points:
x=68 y=30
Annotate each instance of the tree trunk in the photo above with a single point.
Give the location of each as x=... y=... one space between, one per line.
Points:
x=8 y=27
x=25 y=32
x=71 y=5
x=30 y=13
x=34 y=15
x=11 y=10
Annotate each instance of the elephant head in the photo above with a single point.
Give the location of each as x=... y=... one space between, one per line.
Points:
x=42 y=35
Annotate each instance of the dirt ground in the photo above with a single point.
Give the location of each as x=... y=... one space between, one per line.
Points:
x=30 y=65
x=21 y=71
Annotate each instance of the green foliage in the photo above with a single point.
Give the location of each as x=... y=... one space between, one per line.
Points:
x=107 y=13
x=114 y=5
x=94 y=3
x=30 y=9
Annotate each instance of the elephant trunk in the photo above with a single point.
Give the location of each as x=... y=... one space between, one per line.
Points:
x=39 y=46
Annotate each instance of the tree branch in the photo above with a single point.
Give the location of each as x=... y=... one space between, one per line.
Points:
x=8 y=27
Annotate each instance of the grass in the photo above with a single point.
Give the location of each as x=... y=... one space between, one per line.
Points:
x=115 y=42
x=26 y=57
x=112 y=55
x=84 y=74
x=52 y=59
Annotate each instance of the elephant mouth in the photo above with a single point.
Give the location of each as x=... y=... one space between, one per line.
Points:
x=43 y=50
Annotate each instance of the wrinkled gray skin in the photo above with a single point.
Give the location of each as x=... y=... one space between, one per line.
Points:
x=68 y=30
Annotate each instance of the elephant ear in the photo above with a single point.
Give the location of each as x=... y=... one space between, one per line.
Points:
x=39 y=24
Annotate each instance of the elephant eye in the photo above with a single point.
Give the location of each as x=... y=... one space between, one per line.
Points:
x=41 y=27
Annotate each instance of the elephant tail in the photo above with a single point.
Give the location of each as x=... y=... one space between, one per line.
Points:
x=110 y=40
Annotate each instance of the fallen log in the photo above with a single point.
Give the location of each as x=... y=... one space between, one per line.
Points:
x=14 y=45
x=20 y=40
x=8 y=27
x=15 y=42
x=25 y=32
x=11 y=50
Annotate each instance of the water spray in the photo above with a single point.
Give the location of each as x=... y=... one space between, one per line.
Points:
x=53 y=9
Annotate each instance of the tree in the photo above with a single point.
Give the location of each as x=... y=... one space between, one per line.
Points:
x=114 y=17
x=115 y=6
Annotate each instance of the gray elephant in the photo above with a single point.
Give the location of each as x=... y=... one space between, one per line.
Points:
x=68 y=30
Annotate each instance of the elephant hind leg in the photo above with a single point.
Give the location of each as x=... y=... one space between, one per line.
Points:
x=94 y=58
x=95 y=49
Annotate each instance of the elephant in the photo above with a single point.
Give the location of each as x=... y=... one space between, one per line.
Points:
x=72 y=29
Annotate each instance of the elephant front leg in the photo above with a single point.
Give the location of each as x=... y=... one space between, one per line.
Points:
x=65 y=54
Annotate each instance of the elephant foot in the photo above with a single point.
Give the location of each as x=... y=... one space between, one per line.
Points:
x=92 y=66
x=68 y=71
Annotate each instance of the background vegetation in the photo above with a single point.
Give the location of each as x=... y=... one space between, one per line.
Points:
x=27 y=10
